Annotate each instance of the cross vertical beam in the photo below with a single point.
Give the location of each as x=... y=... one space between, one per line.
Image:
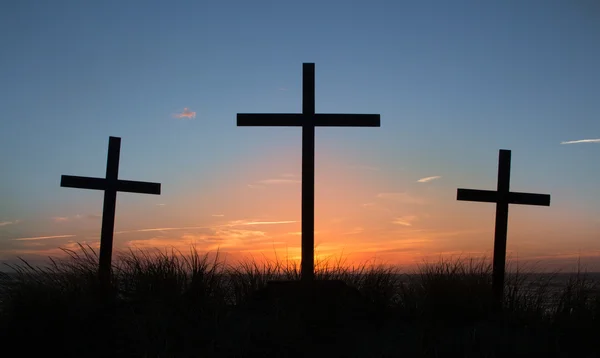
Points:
x=308 y=120
x=502 y=197
x=308 y=172
x=109 y=208
x=110 y=185
x=501 y=227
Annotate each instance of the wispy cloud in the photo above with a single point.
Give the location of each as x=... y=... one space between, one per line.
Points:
x=404 y=220
x=354 y=231
x=161 y=204
x=239 y=233
x=252 y=222
x=396 y=246
x=62 y=219
x=179 y=245
x=154 y=243
x=236 y=240
x=218 y=215
x=381 y=206
x=401 y=197
x=286 y=178
x=582 y=141
x=279 y=181
x=42 y=237
x=428 y=179
x=363 y=167
x=398 y=250
x=163 y=229
x=6 y=223
x=229 y=224
x=187 y=113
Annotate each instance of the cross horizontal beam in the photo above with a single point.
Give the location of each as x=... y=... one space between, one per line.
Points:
x=128 y=186
x=141 y=187
x=299 y=119
x=529 y=199
x=489 y=196
x=71 y=181
x=486 y=196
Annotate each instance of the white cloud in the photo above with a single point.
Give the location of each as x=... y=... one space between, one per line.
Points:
x=286 y=178
x=239 y=234
x=187 y=113
x=279 y=181
x=401 y=197
x=229 y=224
x=42 y=237
x=582 y=141
x=6 y=223
x=404 y=220
x=62 y=219
x=363 y=167
x=428 y=179
x=252 y=222
x=164 y=229
x=354 y=231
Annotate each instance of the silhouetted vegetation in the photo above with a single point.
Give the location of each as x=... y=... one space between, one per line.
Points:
x=166 y=304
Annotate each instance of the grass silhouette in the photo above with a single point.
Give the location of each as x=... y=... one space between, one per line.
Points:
x=166 y=304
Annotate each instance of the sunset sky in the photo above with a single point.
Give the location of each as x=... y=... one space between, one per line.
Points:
x=453 y=81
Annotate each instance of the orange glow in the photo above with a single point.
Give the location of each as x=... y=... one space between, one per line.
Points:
x=360 y=216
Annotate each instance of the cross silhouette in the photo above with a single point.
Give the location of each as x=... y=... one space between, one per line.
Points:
x=110 y=185
x=502 y=197
x=308 y=120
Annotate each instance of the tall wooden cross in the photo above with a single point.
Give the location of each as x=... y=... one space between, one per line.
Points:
x=110 y=184
x=308 y=120
x=502 y=197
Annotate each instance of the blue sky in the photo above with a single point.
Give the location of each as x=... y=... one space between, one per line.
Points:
x=454 y=82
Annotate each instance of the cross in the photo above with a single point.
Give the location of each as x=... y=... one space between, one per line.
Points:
x=308 y=120
x=502 y=197
x=111 y=184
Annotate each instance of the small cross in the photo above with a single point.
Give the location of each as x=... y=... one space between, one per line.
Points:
x=502 y=197
x=308 y=120
x=111 y=184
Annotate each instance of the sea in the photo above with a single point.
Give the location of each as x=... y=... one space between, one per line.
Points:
x=552 y=284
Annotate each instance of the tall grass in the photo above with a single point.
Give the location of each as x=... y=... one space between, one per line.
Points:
x=170 y=303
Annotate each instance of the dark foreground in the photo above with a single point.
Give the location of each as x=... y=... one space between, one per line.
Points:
x=168 y=306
